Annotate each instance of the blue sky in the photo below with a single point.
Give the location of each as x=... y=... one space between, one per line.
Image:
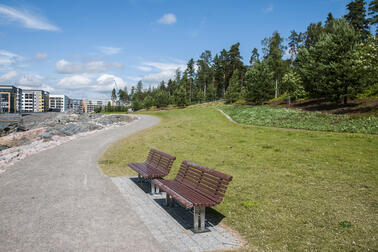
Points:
x=79 y=47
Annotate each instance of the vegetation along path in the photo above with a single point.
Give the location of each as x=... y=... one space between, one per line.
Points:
x=292 y=189
x=59 y=200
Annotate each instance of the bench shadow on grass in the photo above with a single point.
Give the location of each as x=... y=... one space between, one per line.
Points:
x=181 y=215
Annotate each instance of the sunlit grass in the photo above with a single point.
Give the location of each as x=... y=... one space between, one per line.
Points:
x=292 y=189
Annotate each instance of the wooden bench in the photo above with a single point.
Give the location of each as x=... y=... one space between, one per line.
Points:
x=157 y=165
x=195 y=187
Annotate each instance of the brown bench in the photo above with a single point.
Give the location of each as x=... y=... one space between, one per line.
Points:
x=195 y=187
x=157 y=165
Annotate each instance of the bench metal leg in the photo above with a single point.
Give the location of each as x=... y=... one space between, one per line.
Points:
x=139 y=178
x=195 y=218
x=202 y=217
x=199 y=219
x=152 y=188
x=172 y=202
x=167 y=199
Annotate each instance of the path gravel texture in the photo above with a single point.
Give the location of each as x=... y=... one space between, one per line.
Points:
x=58 y=200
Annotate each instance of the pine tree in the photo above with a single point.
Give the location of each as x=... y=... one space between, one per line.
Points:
x=312 y=34
x=357 y=17
x=255 y=57
x=373 y=17
x=327 y=68
x=233 y=90
x=190 y=70
x=259 y=82
x=114 y=95
x=295 y=40
x=204 y=73
x=273 y=54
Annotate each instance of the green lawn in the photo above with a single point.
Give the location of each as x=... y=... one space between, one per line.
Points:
x=292 y=189
x=298 y=119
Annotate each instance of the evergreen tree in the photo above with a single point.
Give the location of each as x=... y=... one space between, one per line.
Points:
x=171 y=86
x=292 y=85
x=312 y=34
x=161 y=98
x=273 y=54
x=373 y=17
x=233 y=90
x=114 y=95
x=255 y=57
x=108 y=107
x=329 y=20
x=327 y=67
x=224 y=62
x=148 y=102
x=219 y=70
x=204 y=73
x=259 y=83
x=357 y=17
x=235 y=58
x=190 y=70
x=365 y=62
x=180 y=96
x=295 y=40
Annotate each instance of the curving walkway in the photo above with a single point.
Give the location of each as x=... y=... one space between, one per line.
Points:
x=58 y=200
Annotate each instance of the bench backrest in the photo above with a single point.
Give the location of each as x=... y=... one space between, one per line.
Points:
x=160 y=160
x=208 y=182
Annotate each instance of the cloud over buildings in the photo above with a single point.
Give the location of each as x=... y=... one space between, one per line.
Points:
x=66 y=67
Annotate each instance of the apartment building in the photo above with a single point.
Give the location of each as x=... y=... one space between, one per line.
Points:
x=35 y=100
x=10 y=99
x=77 y=105
x=91 y=105
x=59 y=103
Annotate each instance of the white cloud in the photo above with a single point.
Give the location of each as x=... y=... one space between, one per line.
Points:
x=39 y=87
x=168 y=19
x=144 y=68
x=32 y=80
x=85 y=83
x=108 y=50
x=163 y=71
x=74 y=82
x=66 y=67
x=40 y=56
x=8 y=76
x=269 y=8
x=7 y=58
x=26 y=18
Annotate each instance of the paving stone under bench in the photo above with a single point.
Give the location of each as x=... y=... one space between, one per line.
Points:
x=171 y=227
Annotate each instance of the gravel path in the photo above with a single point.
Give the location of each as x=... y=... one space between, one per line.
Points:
x=58 y=200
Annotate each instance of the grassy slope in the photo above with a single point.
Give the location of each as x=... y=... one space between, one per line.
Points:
x=291 y=188
x=298 y=119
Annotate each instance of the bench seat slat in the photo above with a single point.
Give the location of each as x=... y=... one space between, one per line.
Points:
x=196 y=185
x=183 y=194
x=157 y=165
x=146 y=170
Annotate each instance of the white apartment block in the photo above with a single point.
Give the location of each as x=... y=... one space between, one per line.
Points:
x=34 y=100
x=90 y=105
x=59 y=102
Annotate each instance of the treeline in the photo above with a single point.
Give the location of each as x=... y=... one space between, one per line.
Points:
x=336 y=60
